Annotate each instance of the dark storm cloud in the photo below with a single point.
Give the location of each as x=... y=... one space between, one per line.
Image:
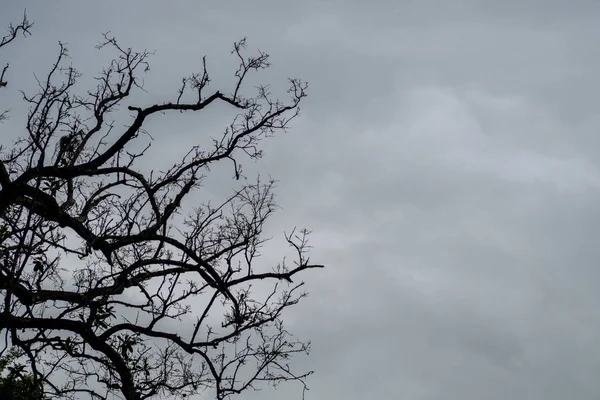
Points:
x=447 y=159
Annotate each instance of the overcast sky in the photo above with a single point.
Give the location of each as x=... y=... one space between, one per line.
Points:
x=447 y=159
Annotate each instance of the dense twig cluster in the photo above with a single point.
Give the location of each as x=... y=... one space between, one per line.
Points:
x=100 y=262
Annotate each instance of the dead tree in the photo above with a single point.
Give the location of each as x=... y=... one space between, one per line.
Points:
x=119 y=281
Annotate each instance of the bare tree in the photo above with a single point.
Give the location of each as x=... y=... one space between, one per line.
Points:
x=13 y=31
x=112 y=282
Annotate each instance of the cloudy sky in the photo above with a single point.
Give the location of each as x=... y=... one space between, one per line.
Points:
x=447 y=159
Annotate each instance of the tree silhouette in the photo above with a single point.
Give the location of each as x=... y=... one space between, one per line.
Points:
x=117 y=279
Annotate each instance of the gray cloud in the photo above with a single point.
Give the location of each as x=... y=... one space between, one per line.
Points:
x=447 y=160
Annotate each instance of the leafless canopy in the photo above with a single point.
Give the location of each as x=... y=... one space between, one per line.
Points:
x=110 y=282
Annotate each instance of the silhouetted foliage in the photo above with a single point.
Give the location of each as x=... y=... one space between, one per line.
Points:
x=15 y=384
x=115 y=279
